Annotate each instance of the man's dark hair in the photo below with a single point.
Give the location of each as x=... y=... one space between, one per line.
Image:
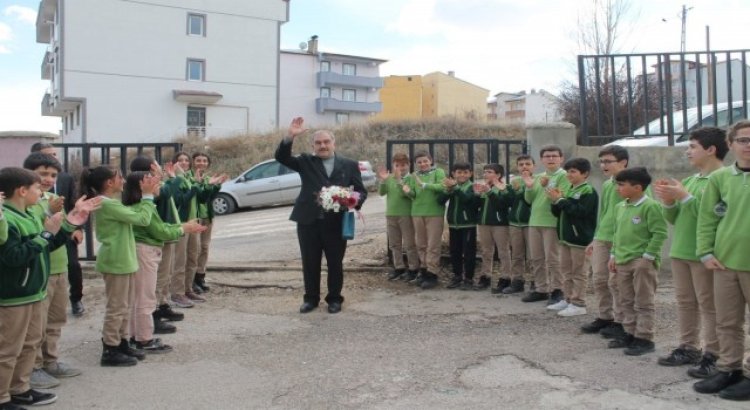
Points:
x=463 y=166
x=617 y=151
x=141 y=163
x=12 y=178
x=37 y=159
x=634 y=176
x=523 y=157
x=550 y=148
x=38 y=146
x=499 y=170
x=581 y=164
x=711 y=136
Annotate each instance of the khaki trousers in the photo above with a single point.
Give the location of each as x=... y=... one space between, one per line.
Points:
x=401 y=240
x=428 y=232
x=637 y=292
x=197 y=255
x=144 y=304
x=732 y=296
x=20 y=337
x=178 y=280
x=164 y=273
x=575 y=275
x=605 y=282
x=519 y=245
x=120 y=291
x=54 y=317
x=694 y=291
x=492 y=238
x=545 y=258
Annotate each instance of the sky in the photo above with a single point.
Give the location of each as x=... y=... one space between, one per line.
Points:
x=500 y=45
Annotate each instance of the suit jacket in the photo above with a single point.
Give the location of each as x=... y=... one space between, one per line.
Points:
x=66 y=187
x=313 y=175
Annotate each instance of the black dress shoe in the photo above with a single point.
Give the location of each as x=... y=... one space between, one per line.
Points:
x=77 y=308
x=334 y=307
x=739 y=391
x=307 y=307
x=718 y=382
x=163 y=328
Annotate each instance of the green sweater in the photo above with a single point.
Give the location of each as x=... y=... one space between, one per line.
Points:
x=576 y=215
x=541 y=211
x=520 y=210
x=3 y=229
x=425 y=201
x=463 y=206
x=157 y=232
x=495 y=206
x=723 y=222
x=396 y=202
x=640 y=229
x=58 y=258
x=114 y=230
x=684 y=216
x=605 y=225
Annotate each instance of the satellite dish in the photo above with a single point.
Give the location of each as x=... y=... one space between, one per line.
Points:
x=303 y=45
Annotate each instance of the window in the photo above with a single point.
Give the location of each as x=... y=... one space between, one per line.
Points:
x=196 y=70
x=196 y=24
x=325 y=66
x=196 y=117
x=349 y=69
x=78 y=115
x=325 y=92
x=342 y=118
x=70 y=121
x=268 y=170
x=349 y=95
x=65 y=124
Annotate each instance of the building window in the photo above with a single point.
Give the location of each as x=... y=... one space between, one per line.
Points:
x=70 y=121
x=78 y=116
x=349 y=95
x=325 y=92
x=349 y=69
x=325 y=66
x=196 y=121
x=65 y=124
x=342 y=118
x=196 y=24
x=196 y=70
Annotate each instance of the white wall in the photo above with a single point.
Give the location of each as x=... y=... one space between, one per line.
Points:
x=541 y=107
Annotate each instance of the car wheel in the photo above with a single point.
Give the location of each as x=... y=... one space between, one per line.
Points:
x=224 y=204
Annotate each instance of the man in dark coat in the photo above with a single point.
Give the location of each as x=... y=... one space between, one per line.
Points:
x=319 y=231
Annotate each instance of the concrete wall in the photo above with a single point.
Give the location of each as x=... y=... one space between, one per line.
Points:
x=402 y=98
x=447 y=96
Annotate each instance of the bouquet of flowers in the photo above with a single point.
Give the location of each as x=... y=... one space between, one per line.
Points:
x=335 y=198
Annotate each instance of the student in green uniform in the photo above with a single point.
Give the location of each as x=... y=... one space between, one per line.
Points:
x=576 y=222
x=183 y=296
x=399 y=227
x=492 y=228
x=693 y=283
x=640 y=232
x=520 y=211
x=116 y=258
x=463 y=206
x=722 y=245
x=423 y=187
x=542 y=236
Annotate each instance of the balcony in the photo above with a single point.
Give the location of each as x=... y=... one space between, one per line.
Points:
x=48 y=109
x=45 y=20
x=328 y=79
x=47 y=65
x=329 y=104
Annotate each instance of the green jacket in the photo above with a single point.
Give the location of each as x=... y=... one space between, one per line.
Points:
x=723 y=222
x=495 y=207
x=640 y=229
x=114 y=231
x=171 y=194
x=200 y=204
x=425 y=201
x=684 y=216
x=58 y=258
x=24 y=257
x=3 y=229
x=463 y=205
x=605 y=226
x=396 y=202
x=541 y=213
x=157 y=232
x=576 y=215
x=520 y=210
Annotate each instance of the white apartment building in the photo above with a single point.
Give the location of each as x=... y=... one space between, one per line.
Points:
x=151 y=70
x=534 y=107
x=328 y=88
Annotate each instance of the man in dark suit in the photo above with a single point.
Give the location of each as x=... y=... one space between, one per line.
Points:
x=319 y=231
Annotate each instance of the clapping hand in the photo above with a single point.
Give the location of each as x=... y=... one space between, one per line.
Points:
x=83 y=209
x=77 y=236
x=156 y=170
x=56 y=204
x=500 y=184
x=193 y=226
x=53 y=223
x=218 y=180
x=670 y=190
x=528 y=180
x=544 y=181
x=383 y=173
x=449 y=183
x=150 y=184
x=169 y=169
x=554 y=194
x=480 y=188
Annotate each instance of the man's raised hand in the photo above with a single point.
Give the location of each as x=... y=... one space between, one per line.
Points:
x=296 y=127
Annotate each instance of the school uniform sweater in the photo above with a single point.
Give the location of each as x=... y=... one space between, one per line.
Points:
x=396 y=202
x=157 y=232
x=684 y=216
x=3 y=229
x=723 y=223
x=463 y=206
x=495 y=207
x=58 y=258
x=170 y=195
x=425 y=196
x=114 y=230
x=576 y=215
x=605 y=224
x=640 y=231
x=541 y=213
x=520 y=210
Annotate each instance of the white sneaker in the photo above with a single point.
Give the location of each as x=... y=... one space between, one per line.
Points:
x=572 y=310
x=39 y=379
x=558 y=306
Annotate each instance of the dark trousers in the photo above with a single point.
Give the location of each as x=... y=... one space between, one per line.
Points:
x=463 y=245
x=322 y=237
x=75 y=274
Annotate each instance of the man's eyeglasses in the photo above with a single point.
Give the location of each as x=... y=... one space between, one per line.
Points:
x=744 y=141
x=607 y=161
x=550 y=156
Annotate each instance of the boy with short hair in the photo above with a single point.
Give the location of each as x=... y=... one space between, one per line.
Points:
x=543 y=242
x=576 y=222
x=400 y=229
x=612 y=160
x=640 y=232
x=722 y=245
x=492 y=228
x=47 y=368
x=693 y=282
x=520 y=211
x=462 y=225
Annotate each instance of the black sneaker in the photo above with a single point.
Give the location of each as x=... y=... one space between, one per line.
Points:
x=395 y=274
x=165 y=312
x=680 y=357
x=77 y=308
x=595 y=326
x=409 y=276
x=162 y=327
x=467 y=284
x=705 y=368
x=112 y=356
x=613 y=331
x=555 y=297
x=718 y=382
x=516 y=286
x=535 y=297
x=454 y=282
x=738 y=391
x=483 y=283
x=621 y=342
x=127 y=349
x=639 y=347
x=153 y=346
x=430 y=280
x=421 y=276
x=9 y=405
x=32 y=397
x=502 y=283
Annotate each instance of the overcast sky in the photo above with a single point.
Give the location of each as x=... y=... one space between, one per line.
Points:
x=501 y=45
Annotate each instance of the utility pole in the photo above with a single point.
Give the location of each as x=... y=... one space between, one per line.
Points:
x=685 y=9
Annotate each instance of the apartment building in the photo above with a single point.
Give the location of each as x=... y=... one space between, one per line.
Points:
x=151 y=70
x=533 y=107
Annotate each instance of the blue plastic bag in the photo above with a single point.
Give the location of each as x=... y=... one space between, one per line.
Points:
x=347 y=226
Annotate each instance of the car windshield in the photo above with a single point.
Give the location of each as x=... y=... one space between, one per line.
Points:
x=659 y=125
